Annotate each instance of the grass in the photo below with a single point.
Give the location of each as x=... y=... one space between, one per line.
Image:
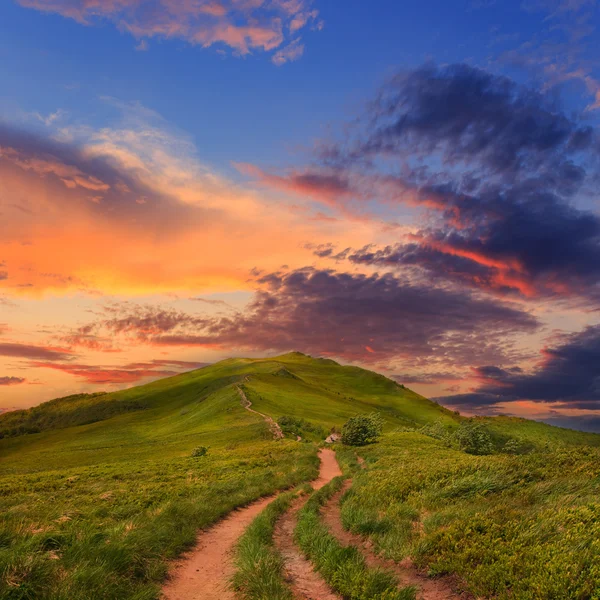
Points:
x=343 y=567
x=106 y=493
x=97 y=511
x=524 y=527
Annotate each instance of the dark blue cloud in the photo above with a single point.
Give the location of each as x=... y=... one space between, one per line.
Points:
x=372 y=318
x=569 y=377
x=500 y=166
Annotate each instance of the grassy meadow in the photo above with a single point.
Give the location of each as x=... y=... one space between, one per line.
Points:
x=98 y=492
x=524 y=526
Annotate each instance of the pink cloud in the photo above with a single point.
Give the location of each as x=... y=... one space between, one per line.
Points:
x=242 y=25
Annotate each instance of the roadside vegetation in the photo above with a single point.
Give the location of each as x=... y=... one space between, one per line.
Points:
x=510 y=526
x=259 y=566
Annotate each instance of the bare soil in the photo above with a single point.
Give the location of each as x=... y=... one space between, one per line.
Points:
x=305 y=582
x=205 y=572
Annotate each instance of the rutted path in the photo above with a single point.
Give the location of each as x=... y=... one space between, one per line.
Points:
x=305 y=582
x=427 y=588
x=205 y=572
x=273 y=426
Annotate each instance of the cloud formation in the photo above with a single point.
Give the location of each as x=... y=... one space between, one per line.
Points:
x=134 y=201
x=568 y=377
x=6 y=381
x=500 y=169
x=375 y=319
x=126 y=374
x=47 y=353
x=243 y=26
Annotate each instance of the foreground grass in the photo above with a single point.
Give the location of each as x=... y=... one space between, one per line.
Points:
x=524 y=527
x=344 y=568
x=97 y=511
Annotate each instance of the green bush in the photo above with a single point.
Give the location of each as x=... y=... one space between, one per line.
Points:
x=436 y=430
x=199 y=451
x=473 y=438
x=362 y=429
x=294 y=426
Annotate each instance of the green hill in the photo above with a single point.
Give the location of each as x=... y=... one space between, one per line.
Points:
x=98 y=492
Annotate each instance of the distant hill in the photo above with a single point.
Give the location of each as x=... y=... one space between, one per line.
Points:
x=317 y=390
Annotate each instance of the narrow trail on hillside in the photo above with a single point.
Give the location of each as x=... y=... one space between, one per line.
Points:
x=304 y=581
x=273 y=426
x=407 y=573
x=205 y=572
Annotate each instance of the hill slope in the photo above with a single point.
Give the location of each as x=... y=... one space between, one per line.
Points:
x=108 y=491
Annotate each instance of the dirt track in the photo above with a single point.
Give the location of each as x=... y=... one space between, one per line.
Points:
x=305 y=582
x=273 y=426
x=205 y=572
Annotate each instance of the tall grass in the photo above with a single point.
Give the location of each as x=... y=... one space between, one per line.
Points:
x=108 y=532
x=524 y=527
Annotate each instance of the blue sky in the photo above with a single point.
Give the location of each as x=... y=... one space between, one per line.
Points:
x=248 y=109
x=408 y=186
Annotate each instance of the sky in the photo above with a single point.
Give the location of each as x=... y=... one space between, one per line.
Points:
x=410 y=187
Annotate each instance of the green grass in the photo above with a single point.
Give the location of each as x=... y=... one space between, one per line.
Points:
x=343 y=567
x=98 y=502
x=524 y=527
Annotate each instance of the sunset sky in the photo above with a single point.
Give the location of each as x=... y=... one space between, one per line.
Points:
x=411 y=187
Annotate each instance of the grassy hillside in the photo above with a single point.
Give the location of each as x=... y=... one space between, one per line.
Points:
x=106 y=492
x=524 y=527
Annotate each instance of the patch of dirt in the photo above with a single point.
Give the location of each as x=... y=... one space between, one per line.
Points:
x=273 y=426
x=407 y=573
x=305 y=582
x=205 y=572
x=328 y=470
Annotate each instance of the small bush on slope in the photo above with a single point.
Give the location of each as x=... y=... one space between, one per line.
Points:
x=472 y=438
x=295 y=426
x=362 y=429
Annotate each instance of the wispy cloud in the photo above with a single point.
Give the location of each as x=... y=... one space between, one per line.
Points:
x=243 y=26
x=6 y=381
x=126 y=374
x=141 y=209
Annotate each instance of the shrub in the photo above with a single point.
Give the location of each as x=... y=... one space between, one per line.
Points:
x=294 y=426
x=436 y=430
x=512 y=446
x=362 y=429
x=199 y=451
x=473 y=438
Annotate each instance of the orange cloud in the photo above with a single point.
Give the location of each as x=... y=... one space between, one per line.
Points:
x=242 y=25
x=133 y=211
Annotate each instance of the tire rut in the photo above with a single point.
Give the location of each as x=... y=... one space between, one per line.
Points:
x=304 y=581
x=407 y=573
x=205 y=572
